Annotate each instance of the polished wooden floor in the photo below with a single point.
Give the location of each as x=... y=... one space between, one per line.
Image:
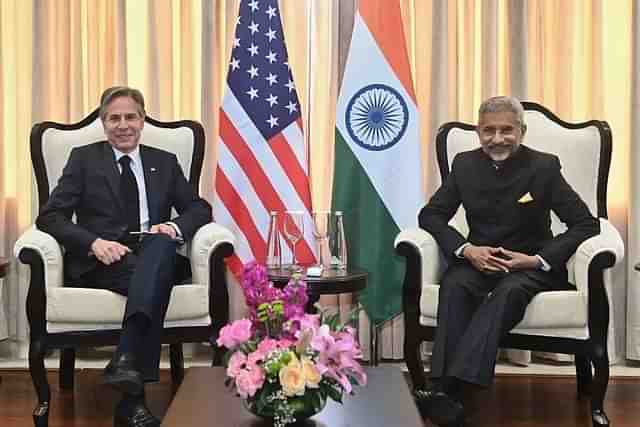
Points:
x=515 y=401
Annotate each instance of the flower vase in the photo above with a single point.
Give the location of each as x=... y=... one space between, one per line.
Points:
x=302 y=407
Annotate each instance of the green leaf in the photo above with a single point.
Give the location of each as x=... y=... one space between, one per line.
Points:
x=226 y=357
x=334 y=393
x=315 y=399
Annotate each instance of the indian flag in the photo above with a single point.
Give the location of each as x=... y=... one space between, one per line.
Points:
x=377 y=182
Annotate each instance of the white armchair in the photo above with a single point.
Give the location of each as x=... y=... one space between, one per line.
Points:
x=573 y=322
x=68 y=317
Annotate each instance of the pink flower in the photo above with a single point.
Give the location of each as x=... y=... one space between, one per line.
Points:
x=323 y=341
x=250 y=380
x=267 y=345
x=234 y=334
x=337 y=358
x=237 y=363
x=301 y=323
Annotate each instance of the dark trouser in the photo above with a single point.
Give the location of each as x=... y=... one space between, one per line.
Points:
x=475 y=311
x=146 y=277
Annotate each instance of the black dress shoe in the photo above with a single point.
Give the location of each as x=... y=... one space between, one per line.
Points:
x=121 y=373
x=135 y=416
x=599 y=418
x=439 y=407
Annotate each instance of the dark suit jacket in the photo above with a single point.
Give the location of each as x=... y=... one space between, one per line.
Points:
x=90 y=188
x=496 y=217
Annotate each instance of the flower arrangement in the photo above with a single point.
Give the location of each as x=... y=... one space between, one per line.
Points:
x=283 y=362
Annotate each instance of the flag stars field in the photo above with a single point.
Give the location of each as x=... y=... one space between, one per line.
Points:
x=253 y=49
x=272 y=100
x=272 y=79
x=273 y=121
x=253 y=72
x=271 y=57
x=252 y=92
x=291 y=107
x=290 y=86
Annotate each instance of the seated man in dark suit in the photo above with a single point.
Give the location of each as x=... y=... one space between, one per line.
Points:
x=118 y=188
x=508 y=191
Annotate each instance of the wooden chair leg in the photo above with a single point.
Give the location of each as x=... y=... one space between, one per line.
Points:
x=218 y=352
x=413 y=360
x=37 y=350
x=176 y=357
x=67 y=368
x=599 y=387
x=584 y=376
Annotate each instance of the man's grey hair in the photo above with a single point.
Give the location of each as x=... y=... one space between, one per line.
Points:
x=117 y=92
x=502 y=104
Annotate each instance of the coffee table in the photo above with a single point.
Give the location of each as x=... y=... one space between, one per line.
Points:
x=203 y=400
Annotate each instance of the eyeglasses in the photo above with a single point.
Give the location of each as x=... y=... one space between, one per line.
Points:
x=114 y=120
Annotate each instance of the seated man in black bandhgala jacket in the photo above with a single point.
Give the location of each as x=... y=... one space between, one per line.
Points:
x=118 y=188
x=508 y=191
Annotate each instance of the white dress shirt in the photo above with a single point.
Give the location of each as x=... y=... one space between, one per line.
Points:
x=138 y=172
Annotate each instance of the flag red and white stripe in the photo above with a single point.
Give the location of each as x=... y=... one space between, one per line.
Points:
x=262 y=161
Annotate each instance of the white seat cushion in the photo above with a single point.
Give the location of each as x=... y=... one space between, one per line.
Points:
x=553 y=313
x=97 y=309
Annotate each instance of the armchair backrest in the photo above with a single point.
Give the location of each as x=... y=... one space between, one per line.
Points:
x=51 y=145
x=584 y=150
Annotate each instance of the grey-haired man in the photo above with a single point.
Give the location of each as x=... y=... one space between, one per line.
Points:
x=508 y=191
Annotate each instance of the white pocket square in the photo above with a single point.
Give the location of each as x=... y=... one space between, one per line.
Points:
x=526 y=198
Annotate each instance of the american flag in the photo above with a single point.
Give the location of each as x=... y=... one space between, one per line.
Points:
x=262 y=161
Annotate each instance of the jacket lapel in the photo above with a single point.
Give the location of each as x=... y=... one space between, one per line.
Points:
x=151 y=170
x=111 y=172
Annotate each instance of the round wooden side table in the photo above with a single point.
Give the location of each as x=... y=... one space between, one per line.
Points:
x=331 y=282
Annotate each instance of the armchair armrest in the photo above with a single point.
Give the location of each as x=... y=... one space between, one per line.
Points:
x=207 y=239
x=49 y=251
x=603 y=251
x=427 y=249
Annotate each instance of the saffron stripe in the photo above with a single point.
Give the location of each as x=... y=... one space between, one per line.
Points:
x=379 y=16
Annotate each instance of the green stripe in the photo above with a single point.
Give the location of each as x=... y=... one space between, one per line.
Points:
x=370 y=231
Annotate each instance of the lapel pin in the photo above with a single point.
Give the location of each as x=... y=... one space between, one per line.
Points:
x=152 y=169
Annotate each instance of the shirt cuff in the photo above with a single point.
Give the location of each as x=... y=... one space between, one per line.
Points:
x=458 y=252
x=544 y=265
x=175 y=227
